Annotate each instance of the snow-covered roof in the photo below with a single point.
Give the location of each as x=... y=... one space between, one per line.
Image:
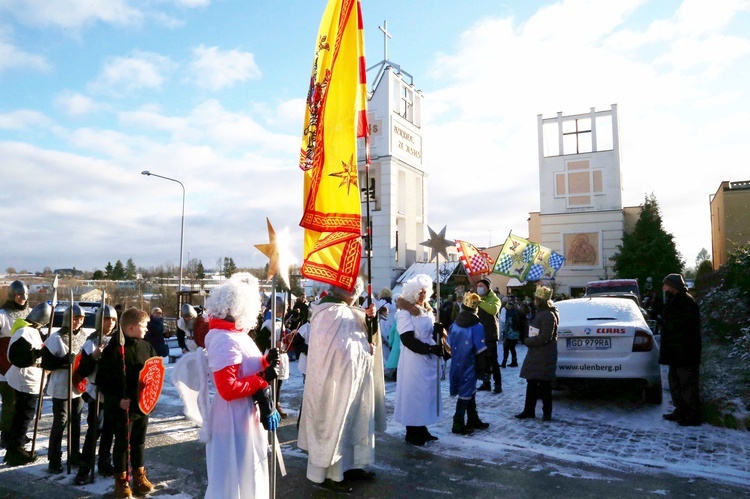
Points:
x=430 y=268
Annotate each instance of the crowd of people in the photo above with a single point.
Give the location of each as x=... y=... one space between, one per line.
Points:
x=346 y=346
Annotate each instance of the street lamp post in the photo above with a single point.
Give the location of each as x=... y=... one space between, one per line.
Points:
x=182 y=229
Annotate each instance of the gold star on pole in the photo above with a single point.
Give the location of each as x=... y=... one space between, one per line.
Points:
x=438 y=243
x=348 y=175
x=277 y=263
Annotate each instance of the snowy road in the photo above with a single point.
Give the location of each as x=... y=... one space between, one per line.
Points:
x=609 y=444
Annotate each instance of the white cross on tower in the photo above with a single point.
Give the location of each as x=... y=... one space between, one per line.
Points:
x=386 y=36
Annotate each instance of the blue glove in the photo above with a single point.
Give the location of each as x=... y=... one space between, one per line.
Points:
x=272 y=421
x=269 y=416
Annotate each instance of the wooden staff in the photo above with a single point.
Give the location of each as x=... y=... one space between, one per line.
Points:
x=70 y=382
x=41 y=385
x=97 y=404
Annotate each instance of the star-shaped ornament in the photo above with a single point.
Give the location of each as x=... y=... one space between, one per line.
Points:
x=348 y=174
x=438 y=243
x=278 y=264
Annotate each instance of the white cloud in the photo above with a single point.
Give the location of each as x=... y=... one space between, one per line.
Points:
x=72 y=14
x=77 y=104
x=482 y=117
x=14 y=57
x=191 y=3
x=217 y=69
x=126 y=74
x=23 y=119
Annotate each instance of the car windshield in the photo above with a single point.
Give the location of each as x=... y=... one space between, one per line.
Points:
x=584 y=310
x=89 y=321
x=625 y=288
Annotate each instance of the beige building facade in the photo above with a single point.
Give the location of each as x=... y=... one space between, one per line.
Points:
x=581 y=214
x=730 y=220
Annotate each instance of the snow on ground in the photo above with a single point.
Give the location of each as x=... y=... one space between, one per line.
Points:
x=613 y=430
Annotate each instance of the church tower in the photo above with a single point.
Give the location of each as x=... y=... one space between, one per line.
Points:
x=397 y=180
x=581 y=214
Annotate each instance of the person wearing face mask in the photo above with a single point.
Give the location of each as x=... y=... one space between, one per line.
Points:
x=487 y=311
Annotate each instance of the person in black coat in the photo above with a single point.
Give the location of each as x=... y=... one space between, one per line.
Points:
x=155 y=332
x=540 y=364
x=681 y=350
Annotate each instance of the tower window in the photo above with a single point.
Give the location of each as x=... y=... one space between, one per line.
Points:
x=577 y=136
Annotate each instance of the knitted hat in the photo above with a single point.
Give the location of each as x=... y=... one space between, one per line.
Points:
x=471 y=301
x=485 y=281
x=675 y=281
x=543 y=292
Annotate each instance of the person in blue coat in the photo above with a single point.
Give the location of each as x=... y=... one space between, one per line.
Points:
x=468 y=351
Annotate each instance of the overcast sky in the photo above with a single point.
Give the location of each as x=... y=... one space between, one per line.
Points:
x=211 y=93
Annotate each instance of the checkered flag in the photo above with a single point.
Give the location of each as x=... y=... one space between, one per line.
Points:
x=473 y=260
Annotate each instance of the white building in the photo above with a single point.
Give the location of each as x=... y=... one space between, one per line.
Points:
x=581 y=214
x=397 y=180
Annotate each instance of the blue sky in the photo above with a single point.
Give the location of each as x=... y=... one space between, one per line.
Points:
x=210 y=92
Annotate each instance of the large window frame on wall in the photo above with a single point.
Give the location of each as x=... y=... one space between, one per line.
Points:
x=579 y=183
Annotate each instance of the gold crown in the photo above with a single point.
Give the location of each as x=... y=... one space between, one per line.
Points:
x=543 y=292
x=471 y=300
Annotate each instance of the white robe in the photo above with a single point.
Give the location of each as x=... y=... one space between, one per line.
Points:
x=417 y=398
x=237 y=449
x=344 y=400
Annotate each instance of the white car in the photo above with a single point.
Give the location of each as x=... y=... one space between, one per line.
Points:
x=607 y=338
x=175 y=352
x=89 y=320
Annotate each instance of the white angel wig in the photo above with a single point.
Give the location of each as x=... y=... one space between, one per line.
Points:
x=237 y=300
x=416 y=284
x=354 y=294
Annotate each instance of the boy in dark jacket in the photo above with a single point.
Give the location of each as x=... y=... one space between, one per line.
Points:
x=118 y=379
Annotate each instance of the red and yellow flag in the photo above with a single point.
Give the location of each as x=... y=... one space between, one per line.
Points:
x=335 y=117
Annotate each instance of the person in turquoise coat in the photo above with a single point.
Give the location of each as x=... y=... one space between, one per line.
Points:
x=394 y=341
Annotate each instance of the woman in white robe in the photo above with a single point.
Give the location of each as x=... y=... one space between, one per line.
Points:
x=417 y=398
x=236 y=451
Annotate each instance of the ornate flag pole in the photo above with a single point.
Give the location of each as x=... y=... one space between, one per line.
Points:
x=41 y=385
x=438 y=244
x=278 y=264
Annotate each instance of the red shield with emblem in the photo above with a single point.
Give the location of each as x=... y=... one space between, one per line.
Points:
x=78 y=381
x=150 y=382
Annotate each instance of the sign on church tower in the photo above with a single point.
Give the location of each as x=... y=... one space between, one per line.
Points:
x=397 y=190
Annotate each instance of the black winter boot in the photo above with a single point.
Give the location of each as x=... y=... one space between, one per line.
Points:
x=83 y=476
x=474 y=423
x=459 y=427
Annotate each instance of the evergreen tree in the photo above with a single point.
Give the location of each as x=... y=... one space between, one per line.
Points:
x=705 y=268
x=701 y=257
x=648 y=251
x=98 y=275
x=229 y=267
x=130 y=270
x=108 y=270
x=200 y=272
x=118 y=273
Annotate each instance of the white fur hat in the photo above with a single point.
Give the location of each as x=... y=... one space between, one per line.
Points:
x=237 y=299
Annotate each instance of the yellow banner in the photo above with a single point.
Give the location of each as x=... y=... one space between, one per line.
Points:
x=335 y=116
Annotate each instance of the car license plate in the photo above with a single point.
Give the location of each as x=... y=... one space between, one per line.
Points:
x=588 y=343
